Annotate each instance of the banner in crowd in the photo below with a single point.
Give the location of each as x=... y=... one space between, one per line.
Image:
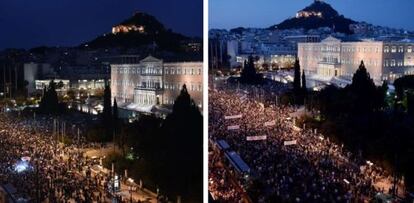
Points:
x=233 y=127
x=233 y=117
x=255 y=138
x=295 y=128
x=292 y=142
x=270 y=123
x=243 y=98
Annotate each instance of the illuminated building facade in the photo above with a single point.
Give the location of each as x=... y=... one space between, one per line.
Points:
x=335 y=58
x=154 y=83
x=127 y=28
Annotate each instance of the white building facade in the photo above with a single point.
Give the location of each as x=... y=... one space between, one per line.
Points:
x=334 y=58
x=151 y=83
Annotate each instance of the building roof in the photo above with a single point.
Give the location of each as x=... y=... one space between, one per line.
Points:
x=150 y=59
x=331 y=39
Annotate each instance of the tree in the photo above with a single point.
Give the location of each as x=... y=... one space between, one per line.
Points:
x=304 y=81
x=49 y=102
x=116 y=126
x=107 y=112
x=363 y=91
x=182 y=142
x=115 y=112
x=248 y=74
x=296 y=79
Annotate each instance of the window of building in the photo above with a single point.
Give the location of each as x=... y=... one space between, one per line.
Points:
x=393 y=49
x=392 y=63
x=409 y=49
x=401 y=49
x=386 y=49
x=400 y=63
x=178 y=71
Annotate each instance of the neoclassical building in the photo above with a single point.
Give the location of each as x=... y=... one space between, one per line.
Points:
x=153 y=84
x=335 y=58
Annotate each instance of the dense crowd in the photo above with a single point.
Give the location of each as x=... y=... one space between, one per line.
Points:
x=53 y=172
x=313 y=169
x=222 y=184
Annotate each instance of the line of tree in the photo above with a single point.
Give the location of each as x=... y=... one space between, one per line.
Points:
x=299 y=84
x=360 y=117
x=167 y=154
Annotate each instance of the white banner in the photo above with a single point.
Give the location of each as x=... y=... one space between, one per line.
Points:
x=292 y=142
x=233 y=127
x=255 y=138
x=244 y=97
x=270 y=123
x=295 y=128
x=233 y=117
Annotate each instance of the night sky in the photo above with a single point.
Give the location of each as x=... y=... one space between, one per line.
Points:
x=31 y=23
x=229 y=14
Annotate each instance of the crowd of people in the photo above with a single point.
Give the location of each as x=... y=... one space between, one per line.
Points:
x=41 y=168
x=222 y=184
x=310 y=168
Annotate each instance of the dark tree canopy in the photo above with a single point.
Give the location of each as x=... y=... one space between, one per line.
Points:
x=304 y=82
x=248 y=74
x=403 y=83
x=359 y=117
x=107 y=112
x=296 y=79
x=49 y=103
x=182 y=133
x=363 y=92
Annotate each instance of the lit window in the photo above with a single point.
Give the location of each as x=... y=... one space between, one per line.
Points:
x=401 y=49
x=386 y=49
x=409 y=49
x=393 y=63
x=393 y=49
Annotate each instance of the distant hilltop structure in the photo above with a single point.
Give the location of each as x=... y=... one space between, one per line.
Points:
x=305 y=14
x=130 y=26
x=127 y=28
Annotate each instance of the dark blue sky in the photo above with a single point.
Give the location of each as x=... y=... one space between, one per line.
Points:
x=30 y=23
x=264 y=13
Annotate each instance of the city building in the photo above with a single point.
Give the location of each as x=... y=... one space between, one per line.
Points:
x=152 y=84
x=332 y=57
x=77 y=78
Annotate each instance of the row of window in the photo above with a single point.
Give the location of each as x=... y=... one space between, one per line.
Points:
x=393 y=62
x=158 y=71
x=190 y=87
x=400 y=49
x=361 y=49
x=182 y=71
x=387 y=49
x=357 y=62
x=155 y=84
